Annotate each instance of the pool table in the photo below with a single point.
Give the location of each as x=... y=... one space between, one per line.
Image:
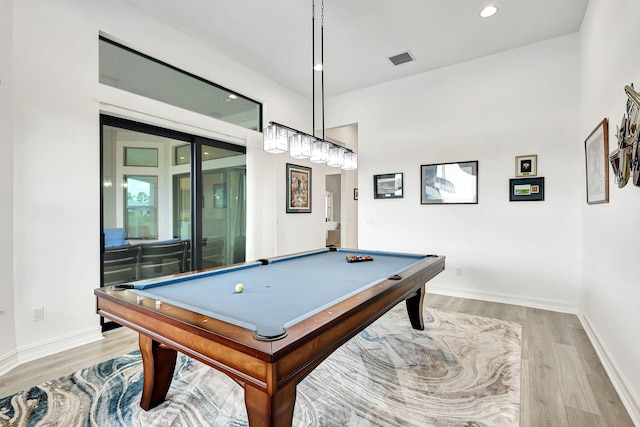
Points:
x=293 y=313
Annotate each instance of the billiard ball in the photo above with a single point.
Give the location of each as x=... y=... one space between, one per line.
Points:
x=239 y=287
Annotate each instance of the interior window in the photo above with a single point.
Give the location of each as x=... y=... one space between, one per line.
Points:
x=135 y=72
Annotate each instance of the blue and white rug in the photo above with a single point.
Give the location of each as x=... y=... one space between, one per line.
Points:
x=461 y=371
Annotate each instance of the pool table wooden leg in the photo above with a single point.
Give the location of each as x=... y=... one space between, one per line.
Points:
x=264 y=410
x=158 y=364
x=414 y=309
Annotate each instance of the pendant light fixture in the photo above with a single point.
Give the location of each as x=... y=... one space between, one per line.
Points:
x=278 y=138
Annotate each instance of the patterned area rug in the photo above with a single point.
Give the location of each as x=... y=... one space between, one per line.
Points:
x=461 y=371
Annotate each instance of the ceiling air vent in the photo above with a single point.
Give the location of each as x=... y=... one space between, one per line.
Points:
x=401 y=58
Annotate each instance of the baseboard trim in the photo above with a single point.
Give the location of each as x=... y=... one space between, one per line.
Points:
x=8 y=362
x=58 y=344
x=551 y=305
x=630 y=402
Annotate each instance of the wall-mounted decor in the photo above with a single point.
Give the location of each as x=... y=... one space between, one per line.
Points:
x=298 y=189
x=355 y=194
x=526 y=189
x=527 y=165
x=625 y=160
x=596 y=149
x=388 y=186
x=449 y=183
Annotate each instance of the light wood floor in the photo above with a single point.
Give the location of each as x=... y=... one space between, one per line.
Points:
x=563 y=381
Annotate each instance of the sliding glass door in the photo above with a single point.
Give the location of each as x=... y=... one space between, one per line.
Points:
x=171 y=202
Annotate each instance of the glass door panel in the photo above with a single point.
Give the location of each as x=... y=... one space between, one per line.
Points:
x=149 y=211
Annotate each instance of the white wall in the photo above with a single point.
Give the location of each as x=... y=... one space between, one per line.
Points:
x=520 y=102
x=7 y=323
x=610 y=232
x=556 y=254
x=55 y=132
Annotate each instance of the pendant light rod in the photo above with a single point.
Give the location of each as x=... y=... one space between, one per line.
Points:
x=313 y=64
x=322 y=61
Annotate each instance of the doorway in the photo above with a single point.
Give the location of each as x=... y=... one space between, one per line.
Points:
x=333 y=199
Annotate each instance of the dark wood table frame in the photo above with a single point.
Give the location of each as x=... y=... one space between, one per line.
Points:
x=268 y=371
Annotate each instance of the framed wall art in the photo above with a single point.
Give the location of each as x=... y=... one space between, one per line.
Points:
x=449 y=183
x=527 y=165
x=596 y=152
x=298 y=189
x=388 y=186
x=526 y=189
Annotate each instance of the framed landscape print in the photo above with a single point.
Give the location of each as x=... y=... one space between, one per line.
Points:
x=596 y=152
x=527 y=165
x=298 y=189
x=526 y=189
x=449 y=183
x=388 y=186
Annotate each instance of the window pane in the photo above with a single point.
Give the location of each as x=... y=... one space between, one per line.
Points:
x=141 y=220
x=140 y=157
x=182 y=155
x=125 y=69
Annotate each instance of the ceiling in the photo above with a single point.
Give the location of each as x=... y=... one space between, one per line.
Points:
x=273 y=37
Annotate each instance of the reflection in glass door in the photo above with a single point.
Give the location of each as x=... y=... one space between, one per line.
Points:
x=221 y=222
x=182 y=206
x=141 y=205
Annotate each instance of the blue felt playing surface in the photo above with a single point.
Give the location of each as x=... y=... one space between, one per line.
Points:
x=279 y=294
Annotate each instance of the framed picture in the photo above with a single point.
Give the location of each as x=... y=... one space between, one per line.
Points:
x=596 y=152
x=526 y=189
x=527 y=165
x=388 y=186
x=355 y=194
x=298 y=189
x=449 y=183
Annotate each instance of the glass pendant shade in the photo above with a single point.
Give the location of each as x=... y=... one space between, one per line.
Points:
x=300 y=146
x=350 y=161
x=275 y=139
x=336 y=157
x=319 y=151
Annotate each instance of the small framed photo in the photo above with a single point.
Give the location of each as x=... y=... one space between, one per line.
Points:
x=526 y=189
x=388 y=186
x=596 y=152
x=355 y=194
x=298 y=189
x=527 y=165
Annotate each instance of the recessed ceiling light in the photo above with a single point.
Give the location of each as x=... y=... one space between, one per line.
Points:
x=488 y=11
x=233 y=96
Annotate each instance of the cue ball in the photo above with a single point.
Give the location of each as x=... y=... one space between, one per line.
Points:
x=239 y=287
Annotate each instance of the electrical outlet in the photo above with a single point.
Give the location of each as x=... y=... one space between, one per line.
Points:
x=38 y=314
x=459 y=271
